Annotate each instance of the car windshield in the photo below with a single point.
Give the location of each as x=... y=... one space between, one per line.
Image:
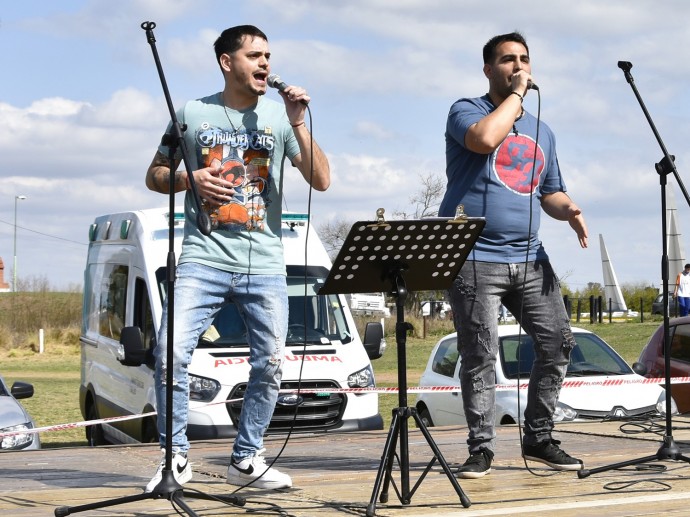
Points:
x=317 y=318
x=591 y=356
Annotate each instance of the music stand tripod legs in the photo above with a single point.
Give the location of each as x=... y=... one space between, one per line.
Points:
x=399 y=429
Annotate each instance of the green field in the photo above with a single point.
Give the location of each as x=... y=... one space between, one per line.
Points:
x=55 y=374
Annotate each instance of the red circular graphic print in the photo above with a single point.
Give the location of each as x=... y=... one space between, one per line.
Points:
x=513 y=163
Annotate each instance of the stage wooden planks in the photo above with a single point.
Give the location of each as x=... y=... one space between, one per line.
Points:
x=334 y=474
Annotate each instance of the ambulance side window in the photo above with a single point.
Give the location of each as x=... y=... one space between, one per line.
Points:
x=143 y=317
x=113 y=300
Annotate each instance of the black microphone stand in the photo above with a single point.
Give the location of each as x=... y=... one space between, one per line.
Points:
x=669 y=450
x=168 y=487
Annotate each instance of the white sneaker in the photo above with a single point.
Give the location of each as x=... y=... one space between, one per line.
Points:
x=253 y=469
x=182 y=470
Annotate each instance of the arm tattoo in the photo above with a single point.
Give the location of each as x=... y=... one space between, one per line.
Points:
x=161 y=180
x=179 y=181
x=161 y=174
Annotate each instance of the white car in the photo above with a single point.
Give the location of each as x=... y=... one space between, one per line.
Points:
x=592 y=361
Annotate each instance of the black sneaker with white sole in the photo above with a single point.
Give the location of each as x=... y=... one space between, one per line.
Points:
x=477 y=465
x=549 y=453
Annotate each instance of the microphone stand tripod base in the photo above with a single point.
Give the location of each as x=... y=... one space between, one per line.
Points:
x=668 y=451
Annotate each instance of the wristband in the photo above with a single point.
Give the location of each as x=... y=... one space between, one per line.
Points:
x=298 y=125
x=516 y=93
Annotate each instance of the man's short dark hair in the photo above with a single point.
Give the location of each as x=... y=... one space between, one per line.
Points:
x=231 y=40
x=490 y=47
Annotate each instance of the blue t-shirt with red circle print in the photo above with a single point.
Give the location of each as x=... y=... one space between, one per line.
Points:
x=500 y=186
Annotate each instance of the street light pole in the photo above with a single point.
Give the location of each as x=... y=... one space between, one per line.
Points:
x=14 y=268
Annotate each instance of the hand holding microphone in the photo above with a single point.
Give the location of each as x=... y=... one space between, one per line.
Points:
x=516 y=81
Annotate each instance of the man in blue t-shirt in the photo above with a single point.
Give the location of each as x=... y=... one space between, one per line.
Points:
x=502 y=165
x=237 y=140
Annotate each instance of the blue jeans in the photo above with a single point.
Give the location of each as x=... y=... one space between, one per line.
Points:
x=683 y=305
x=200 y=292
x=535 y=300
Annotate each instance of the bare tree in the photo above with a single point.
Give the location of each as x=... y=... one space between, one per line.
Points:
x=426 y=200
x=425 y=203
x=333 y=235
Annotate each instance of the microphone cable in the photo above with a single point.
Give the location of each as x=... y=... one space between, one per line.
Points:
x=524 y=283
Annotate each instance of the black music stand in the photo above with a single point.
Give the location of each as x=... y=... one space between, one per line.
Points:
x=395 y=257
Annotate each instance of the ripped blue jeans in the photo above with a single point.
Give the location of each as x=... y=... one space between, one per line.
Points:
x=200 y=292
x=531 y=292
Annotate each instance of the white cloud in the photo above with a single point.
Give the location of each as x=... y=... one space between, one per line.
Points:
x=368 y=129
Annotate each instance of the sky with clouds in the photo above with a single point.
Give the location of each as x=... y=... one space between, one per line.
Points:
x=82 y=110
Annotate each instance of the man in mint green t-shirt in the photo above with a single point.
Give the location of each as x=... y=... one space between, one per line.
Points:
x=237 y=141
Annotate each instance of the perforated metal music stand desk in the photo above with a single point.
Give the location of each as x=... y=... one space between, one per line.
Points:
x=397 y=256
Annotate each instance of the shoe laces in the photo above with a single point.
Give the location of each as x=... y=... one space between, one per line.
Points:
x=255 y=459
x=553 y=447
x=479 y=457
x=258 y=458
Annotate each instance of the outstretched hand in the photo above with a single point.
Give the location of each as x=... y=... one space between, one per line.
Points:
x=577 y=223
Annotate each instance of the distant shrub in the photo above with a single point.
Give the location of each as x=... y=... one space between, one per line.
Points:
x=23 y=314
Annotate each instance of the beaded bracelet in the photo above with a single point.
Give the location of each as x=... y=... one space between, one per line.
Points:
x=516 y=93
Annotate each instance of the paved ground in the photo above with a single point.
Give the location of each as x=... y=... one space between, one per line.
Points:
x=335 y=474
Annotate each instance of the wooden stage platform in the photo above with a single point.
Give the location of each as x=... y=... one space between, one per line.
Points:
x=334 y=475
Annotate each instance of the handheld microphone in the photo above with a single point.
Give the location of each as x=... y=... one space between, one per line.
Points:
x=532 y=86
x=274 y=81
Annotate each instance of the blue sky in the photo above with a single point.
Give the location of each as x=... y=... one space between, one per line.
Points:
x=82 y=109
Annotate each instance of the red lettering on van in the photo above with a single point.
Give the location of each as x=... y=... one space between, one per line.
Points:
x=315 y=358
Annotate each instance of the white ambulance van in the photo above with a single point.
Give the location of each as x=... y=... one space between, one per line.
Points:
x=125 y=284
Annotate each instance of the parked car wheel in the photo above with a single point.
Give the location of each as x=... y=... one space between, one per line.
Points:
x=94 y=433
x=425 y=417
x=150 y=433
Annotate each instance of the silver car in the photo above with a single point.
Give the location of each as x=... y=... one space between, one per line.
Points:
x=13 y=417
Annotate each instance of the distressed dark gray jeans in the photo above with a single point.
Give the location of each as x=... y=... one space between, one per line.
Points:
x=535 y=300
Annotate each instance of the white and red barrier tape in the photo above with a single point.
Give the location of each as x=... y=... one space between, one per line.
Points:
x=380 y=389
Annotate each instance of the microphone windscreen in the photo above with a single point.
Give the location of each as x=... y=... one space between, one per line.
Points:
x=273 y=80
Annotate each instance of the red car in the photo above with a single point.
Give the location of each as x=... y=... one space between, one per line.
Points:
x=652 y=357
